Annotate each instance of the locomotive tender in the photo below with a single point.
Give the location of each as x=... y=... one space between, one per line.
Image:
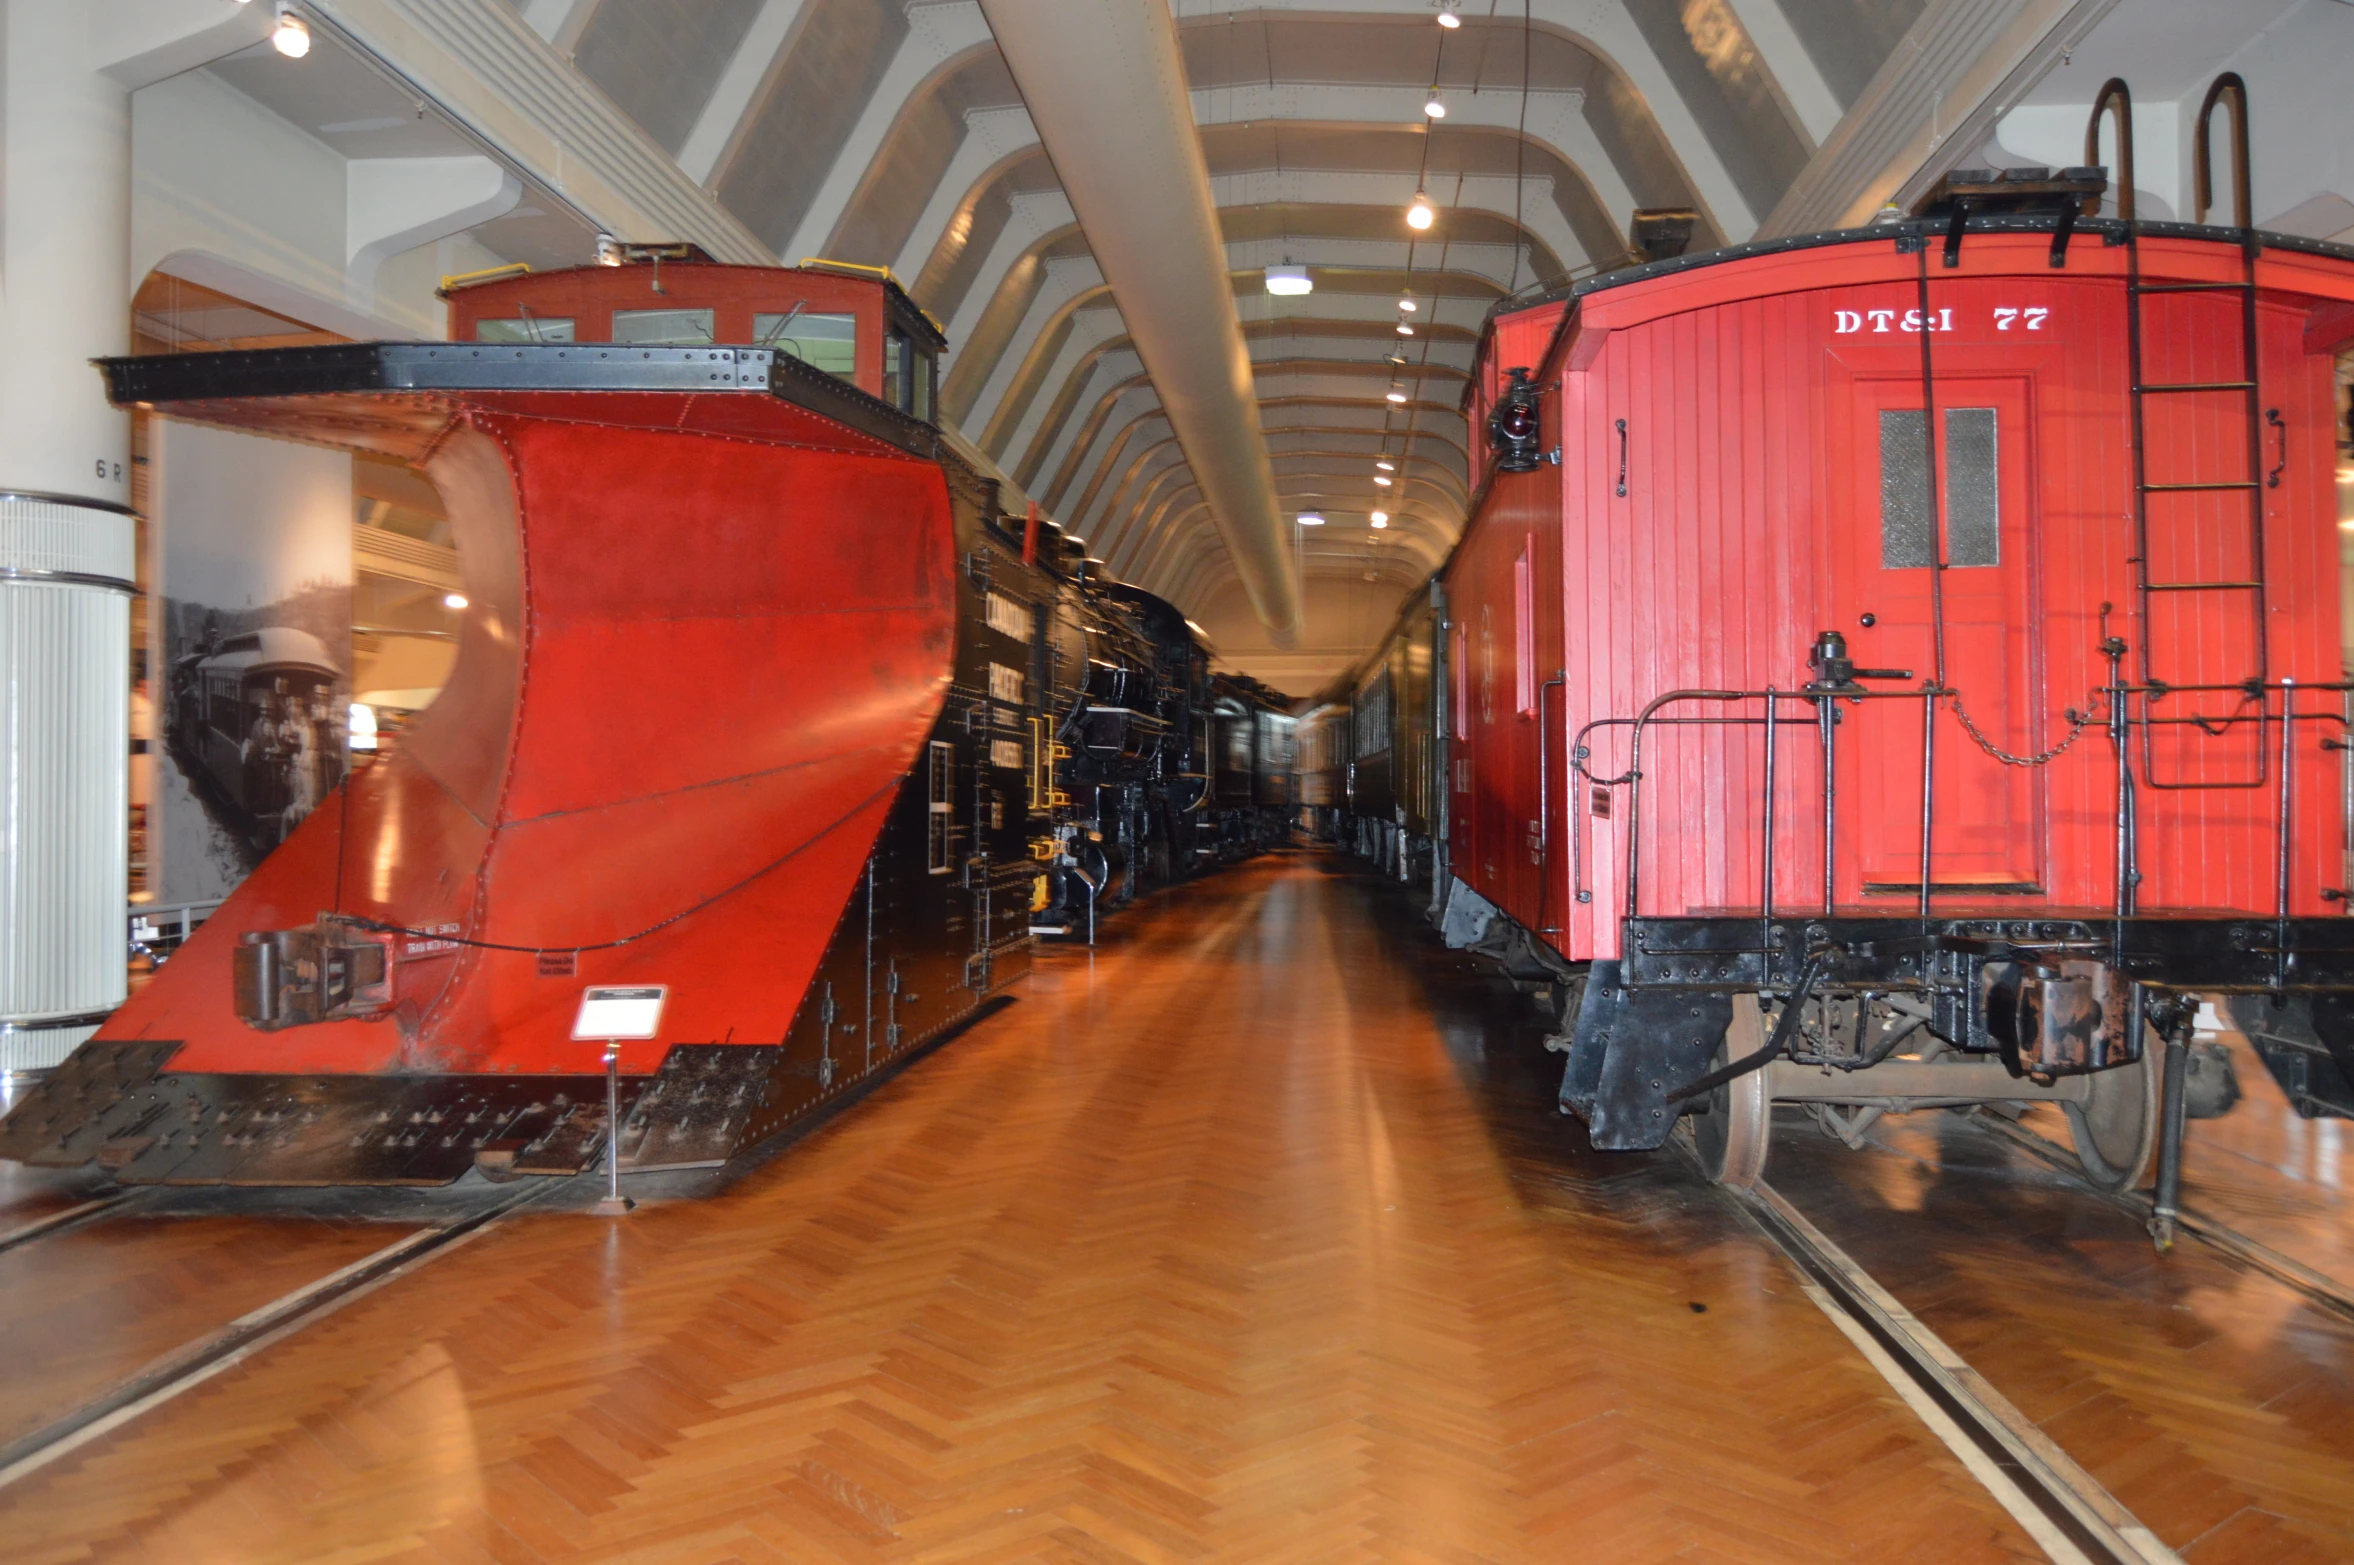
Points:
x=758 y=695
x=1896 y=668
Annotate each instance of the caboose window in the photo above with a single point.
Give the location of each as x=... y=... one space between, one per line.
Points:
x=663 y=328
x=826 y=342
x=1973 y=507
x=531 y=328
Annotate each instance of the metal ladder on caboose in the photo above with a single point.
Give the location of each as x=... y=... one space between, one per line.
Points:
x=2242 y=378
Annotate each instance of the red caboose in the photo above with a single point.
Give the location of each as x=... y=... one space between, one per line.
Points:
x=1907 y=759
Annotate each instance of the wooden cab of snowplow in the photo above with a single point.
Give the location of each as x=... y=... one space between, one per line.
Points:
x=850 y=321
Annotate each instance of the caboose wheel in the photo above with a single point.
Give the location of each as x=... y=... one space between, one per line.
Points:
x=1732 y=1135
x=2116 y=1126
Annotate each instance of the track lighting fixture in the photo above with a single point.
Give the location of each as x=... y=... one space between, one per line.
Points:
x=292 y=36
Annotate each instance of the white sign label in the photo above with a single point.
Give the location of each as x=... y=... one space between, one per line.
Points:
x=1009 y=616
x=1005 y=753
x=1882 y=322
x=1005 y=684
x=632 y=1012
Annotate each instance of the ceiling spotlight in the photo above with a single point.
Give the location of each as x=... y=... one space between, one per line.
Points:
x=1382 y=479
x=1447 y=16
x=292 y=36
x=1435 y=106
x=1385 y=464
x=1406 y=303
x=1289 y=279
x=1379 y=518
x=1405 y=330
x=1395 y=395
x=453 y=600
x=1419 y=215
x=1311 y=519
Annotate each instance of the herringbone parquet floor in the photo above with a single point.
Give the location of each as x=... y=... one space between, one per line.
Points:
x=1241 y=1239
x=2214 y=1403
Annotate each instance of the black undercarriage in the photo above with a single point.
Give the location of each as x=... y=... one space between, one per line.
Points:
x=2052 y=997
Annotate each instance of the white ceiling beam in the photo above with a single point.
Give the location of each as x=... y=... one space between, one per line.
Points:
x=731 y=99
x=936 y=34
x=1794 y=71
x=488 y=70
x=1934 y=102
x=560 y=22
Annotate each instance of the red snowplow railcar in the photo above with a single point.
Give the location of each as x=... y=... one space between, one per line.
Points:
x=723 y=602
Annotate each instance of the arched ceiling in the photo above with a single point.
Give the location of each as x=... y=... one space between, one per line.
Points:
x=890 y=132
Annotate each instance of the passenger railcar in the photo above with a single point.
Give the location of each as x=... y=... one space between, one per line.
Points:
x=758 y=697
x=1901 y=667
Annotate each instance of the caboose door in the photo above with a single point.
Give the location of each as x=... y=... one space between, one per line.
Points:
x=1987 y=833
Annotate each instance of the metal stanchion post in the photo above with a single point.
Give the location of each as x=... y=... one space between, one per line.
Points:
x=615 y=1203
x=2166 y=1210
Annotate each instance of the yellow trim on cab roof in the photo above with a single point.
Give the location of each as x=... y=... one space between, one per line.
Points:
x=487 y=274
x=864 y=270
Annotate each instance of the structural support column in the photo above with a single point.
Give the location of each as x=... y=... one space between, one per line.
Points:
x=66 y=536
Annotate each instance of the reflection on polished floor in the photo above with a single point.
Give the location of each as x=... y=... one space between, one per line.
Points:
x=1250 y=1236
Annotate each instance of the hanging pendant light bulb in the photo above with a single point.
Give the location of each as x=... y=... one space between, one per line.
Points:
x=1405 y=330
x=1396 y=395
x=1385 y=464
x=1406 y=303
x=1434 y=106
x=1420 y=215
x=1447 y=17
x=1379 y=518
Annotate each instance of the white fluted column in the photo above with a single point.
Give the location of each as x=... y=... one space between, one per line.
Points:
x=66 y=537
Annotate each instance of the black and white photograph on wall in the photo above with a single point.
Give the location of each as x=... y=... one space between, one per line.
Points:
x=254 y=648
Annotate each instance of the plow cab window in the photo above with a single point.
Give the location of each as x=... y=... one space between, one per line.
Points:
x=826 y=342
x=663 y=328
x=529 y=328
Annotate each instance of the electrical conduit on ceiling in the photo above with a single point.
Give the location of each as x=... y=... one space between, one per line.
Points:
x=1105 y=85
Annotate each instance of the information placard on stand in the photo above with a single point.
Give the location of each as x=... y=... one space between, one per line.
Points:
x=608 y=1014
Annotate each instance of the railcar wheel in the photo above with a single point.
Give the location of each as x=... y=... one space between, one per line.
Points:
x=2116 y=1127
x=1732 y=1136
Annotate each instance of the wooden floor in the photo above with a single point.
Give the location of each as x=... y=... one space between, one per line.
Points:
x=97 y=1304
x=1251 y=1237
x=2213 y=1402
